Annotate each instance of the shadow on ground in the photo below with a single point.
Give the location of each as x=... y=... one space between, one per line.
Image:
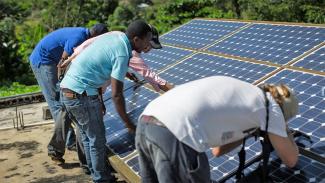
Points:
x=63 y=178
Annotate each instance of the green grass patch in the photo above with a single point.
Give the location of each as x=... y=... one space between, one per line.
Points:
x=17 y=89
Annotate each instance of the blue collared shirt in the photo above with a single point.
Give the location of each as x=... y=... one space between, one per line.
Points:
x=108 y=56
x=49 y=50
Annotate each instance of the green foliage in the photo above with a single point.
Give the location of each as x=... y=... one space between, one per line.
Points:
x=314 y=14
x=62 y=13
x=287 y=11
x=14 y=9
x=174 y=13
x=28 y=35
x=12 y=66
x=16 y=89
x=121 y=18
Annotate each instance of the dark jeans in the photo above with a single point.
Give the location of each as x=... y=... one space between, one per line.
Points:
x=57 y=145
x=86 y=112
x=165 y=159
x=46 y=76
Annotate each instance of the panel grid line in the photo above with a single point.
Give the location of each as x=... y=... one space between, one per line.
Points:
x=226 y=36
x=197 y=33
x=306 y=54
x=201 y=62
x=265 y=22
x=289 y=65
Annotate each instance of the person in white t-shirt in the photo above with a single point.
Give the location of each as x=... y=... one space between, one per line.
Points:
x=176 y=129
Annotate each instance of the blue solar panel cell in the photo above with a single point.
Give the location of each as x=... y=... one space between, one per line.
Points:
x=118 y=139
x=228 y=163
x=306 y=170
x=134 y=164
x=204 y=65
x=311 y=118
x=200 y=33
x=158 y=59
x=108 y=93
x=273 y=43
x=315 y=61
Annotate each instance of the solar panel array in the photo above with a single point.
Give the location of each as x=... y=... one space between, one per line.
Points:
x=203 y=65
x=314 y=61
x=271 y=43
x=250 y=51
x=306 y=170
x=200 y=33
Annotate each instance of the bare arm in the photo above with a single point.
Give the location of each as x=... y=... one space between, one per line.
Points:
x=67 y=61
x=61 y=69
x=218 y=151
x=64 y=55
x=118 y=99
x=286 y=148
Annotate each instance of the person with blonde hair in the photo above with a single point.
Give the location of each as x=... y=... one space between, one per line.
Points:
x=214 y=112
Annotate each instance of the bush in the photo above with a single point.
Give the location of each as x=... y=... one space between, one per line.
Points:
x=17 y=88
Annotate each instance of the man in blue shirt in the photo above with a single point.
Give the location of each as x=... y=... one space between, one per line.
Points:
x=105 y=59
x=52 y=49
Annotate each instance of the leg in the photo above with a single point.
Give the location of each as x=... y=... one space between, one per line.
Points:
x=172 y=160
x=71 y=139
x=81 y=152
x=97 y=142
x=46 y=76
x=56 y=146
x=156 y=164
x=86 y=112
x=147 y=172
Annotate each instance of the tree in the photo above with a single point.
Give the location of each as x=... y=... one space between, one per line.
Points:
x=11 y=66
x=121 y=18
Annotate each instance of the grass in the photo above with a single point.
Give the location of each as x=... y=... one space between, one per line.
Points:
x=17 y=89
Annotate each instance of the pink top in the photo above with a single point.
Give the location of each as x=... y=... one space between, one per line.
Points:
x=136 y=63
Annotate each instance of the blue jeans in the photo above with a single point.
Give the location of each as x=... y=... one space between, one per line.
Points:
x=165 y=159
x=47 y=78
x=86 y=112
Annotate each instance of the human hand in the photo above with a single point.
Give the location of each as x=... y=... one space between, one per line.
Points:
x=131 y=127
x=132 y=77
x=166 y=87
x=64 y=64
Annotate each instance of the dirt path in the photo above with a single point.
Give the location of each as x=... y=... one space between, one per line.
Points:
x=23 y=158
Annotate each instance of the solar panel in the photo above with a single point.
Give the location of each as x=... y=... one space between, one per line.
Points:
x=310 y=92
x=306 y=170
x=108 y=93
x=197 y=33
x=118 y=139
x=272 y=43
x=133 y=163
x=204 y=65
x=314 y=61
x=278 y=44
x=220 y=166
x=228 y=163
x=158 y=59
